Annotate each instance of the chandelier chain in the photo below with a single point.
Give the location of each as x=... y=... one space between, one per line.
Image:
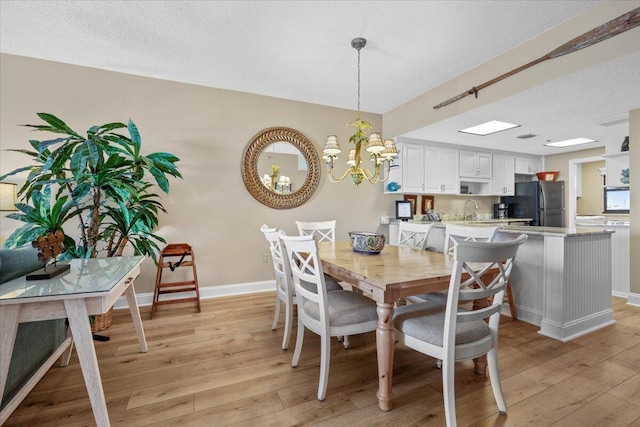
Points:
x=358 y=84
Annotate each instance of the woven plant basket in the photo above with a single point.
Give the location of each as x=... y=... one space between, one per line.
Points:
x=102 y=321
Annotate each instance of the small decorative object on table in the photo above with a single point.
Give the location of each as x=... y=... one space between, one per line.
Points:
x=366 y=242
x=625 y=176
x=49 y=246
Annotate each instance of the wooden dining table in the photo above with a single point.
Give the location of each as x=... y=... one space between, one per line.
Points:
x=394 y=273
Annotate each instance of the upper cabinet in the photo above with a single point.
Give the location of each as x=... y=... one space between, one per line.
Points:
x=527 y=165
x=475 y=164
x=441 y=175
x=413 y=168
x=503 y=182
x=428 y=170
x=437 y=168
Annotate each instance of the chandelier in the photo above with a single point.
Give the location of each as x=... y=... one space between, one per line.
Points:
x=380 y=153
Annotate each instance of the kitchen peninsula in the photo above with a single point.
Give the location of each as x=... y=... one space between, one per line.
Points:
x=561 y=279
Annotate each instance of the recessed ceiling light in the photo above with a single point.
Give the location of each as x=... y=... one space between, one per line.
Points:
x=570 y=142
x=488 y=128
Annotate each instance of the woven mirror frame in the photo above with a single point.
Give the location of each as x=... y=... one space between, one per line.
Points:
x=251 y=176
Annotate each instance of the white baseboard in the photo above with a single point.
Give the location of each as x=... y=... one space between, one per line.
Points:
x=633 y=299
x=206 y=292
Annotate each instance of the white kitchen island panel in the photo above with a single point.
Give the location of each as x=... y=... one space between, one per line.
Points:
x=562 y=280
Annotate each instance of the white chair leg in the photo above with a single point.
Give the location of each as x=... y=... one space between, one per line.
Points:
x=288 y=321
x=276 y=316
x=325 y=353
x=345 y=342
x=298 y=349
x=494 y=377
x=448 y=391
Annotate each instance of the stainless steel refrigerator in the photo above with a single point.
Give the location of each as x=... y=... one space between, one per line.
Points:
x=543 y=201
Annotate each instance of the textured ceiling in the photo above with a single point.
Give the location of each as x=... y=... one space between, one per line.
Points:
x=298 y=50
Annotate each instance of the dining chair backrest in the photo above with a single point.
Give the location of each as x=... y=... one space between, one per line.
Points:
x=323 y=231
x=413 y=235
x=280 y=267
x=468 y=233
x=306 y=268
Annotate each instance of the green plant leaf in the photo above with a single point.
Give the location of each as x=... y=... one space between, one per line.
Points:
x=135 y=137
x=161 y=179
x=56 y=123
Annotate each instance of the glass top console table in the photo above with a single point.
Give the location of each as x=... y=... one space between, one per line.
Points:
x=91 y=286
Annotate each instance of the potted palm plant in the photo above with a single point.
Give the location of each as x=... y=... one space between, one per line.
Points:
x=101 y=184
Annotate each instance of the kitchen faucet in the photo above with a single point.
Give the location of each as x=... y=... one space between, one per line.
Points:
x=474 y=215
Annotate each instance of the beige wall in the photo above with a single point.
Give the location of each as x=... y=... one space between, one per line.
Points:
x=591 y=202
x=634 y=185
x=207 y=129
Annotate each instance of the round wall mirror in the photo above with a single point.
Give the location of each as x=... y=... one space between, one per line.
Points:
x=280 y=168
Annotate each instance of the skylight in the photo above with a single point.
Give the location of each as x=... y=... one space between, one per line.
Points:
x=489 y=127
x=570 y=142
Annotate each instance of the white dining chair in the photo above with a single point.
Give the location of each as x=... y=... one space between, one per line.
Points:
x=451 y=333
x=467 y=232
x=413 y=235
x=285 y=292
x=459 y=233
x=323 y=231
x=338 y=313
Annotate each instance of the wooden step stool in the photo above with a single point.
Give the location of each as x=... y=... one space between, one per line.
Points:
x=172 y=251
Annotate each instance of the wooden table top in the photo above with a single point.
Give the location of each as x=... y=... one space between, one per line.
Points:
x=395 y=272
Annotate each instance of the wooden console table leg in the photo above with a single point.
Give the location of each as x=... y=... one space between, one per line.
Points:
x=81 y=331
x=9 y=328
x=385 y=343
x=135 y=316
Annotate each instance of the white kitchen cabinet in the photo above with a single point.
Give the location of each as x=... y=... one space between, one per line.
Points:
x=413 y=168
x=429 y=170
x=503 y=181
x=475 y=164
x=527 y=165
x=441 y=171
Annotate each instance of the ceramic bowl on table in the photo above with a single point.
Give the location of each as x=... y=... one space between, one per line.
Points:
x=366 y=242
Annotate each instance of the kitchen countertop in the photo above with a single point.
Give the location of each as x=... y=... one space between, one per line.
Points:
x=607 y=224
x=479 y=222
x=553 y=231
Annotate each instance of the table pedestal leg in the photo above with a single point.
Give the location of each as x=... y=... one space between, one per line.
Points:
x=385 y=343
x=81 y=330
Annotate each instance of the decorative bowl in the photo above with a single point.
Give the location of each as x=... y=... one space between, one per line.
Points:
x=547 y=176
x=393 y=186
x=366 y=242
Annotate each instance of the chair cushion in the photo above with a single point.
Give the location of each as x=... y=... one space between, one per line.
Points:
x=345 y=308
x=425 y=322
x=329 y=282
x=433 y=297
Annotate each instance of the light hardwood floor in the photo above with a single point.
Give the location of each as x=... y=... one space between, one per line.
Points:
x=225 y=367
